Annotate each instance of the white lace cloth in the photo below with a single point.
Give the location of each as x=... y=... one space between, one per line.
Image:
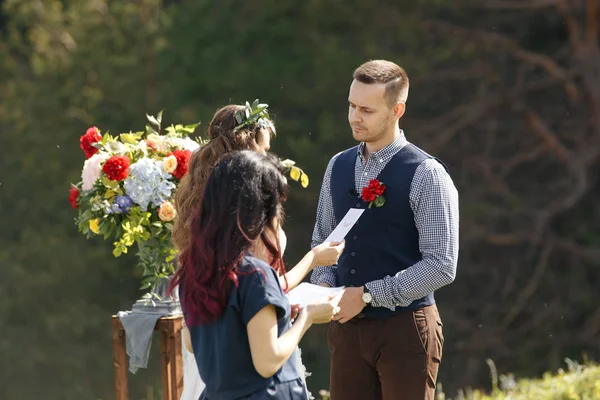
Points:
x=192 y=383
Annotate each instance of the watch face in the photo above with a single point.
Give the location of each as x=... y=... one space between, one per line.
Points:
x=366 y=297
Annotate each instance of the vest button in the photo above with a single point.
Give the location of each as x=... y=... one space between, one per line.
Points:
x=358 y=205
x=352 y=271
x=354 y=237
x=353 y=254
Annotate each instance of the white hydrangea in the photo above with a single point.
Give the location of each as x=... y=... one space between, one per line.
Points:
x=148 y=183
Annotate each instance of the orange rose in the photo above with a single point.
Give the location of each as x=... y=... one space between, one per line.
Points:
x=167 y=212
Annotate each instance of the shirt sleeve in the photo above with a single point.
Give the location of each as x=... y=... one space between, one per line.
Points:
x=259 y=288
x=324 y=225
x=434 y=200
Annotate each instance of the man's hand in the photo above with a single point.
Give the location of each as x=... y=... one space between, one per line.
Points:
x=350 y=305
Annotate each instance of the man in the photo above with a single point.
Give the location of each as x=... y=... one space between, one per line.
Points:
x=386 y=342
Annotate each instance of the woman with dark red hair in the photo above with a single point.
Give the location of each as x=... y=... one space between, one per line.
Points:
x=236 y=310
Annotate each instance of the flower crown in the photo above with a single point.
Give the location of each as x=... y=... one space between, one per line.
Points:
x=295 y=172
x=255 y=114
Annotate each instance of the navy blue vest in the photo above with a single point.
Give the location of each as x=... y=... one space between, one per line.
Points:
x=385 y=240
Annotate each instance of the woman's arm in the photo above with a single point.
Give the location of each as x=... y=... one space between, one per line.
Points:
x=295 y=275
x=270 y=352
x=324 y=254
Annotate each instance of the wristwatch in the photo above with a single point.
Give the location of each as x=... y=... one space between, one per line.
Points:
x=366 y=297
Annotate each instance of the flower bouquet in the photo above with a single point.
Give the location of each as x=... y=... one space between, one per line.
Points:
x=126 y=192
x=127 y=187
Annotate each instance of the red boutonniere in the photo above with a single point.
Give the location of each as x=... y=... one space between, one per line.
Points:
x=373 y=193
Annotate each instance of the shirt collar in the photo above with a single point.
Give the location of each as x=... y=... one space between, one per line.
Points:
x=387 y=152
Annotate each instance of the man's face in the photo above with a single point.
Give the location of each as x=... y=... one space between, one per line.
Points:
x=368 y=113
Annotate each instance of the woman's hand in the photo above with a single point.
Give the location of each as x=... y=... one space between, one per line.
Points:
x=322 y=313
x=327 y=253
x=296 y=308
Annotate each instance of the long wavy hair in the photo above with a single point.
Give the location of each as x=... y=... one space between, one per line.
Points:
x=242 y=203
x=223 y=139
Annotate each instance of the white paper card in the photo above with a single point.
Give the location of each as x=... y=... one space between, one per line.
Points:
x=308 y=293
x=342 y=229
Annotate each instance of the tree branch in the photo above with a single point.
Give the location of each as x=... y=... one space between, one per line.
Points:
x=592 y=21
x=531 y=287
x=548 y=137
x=518 y=4
x=512 y=47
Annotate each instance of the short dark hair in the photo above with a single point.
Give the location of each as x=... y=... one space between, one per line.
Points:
x=388 y=73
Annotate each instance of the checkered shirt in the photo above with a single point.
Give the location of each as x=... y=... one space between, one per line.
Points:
x=434 y=201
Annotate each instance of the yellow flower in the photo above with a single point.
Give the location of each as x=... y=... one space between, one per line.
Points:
x=94 y=225
x=304 y=180
x=167 y=212
x=295 y=173
x=170 y=164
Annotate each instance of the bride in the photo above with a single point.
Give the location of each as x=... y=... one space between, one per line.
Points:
x=231 y=129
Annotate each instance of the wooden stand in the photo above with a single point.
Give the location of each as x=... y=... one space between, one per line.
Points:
x=171 y=360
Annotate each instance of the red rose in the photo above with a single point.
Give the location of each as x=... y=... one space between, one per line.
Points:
x=116 y=168
x=73 y=196
x=183 y=158
x=367 y=195
x=86 y=141
x=372 y=192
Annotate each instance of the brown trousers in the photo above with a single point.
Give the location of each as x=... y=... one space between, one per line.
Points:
x=396 y=358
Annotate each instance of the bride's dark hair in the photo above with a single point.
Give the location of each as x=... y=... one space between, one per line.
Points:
x=241 y=203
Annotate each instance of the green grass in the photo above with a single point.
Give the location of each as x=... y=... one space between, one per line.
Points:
x=578 y=382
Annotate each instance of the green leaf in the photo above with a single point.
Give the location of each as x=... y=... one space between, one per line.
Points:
x=191 y=128
x=238 y=118
x=159 y=117
x=260 y=108
x=153 y=120
x=128 y=138
x=106 y=138
x=304 y=180
x=150 y=130
x=379 y=201
x=114 y=185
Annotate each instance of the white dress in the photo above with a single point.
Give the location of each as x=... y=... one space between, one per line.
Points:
x=192 y=383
